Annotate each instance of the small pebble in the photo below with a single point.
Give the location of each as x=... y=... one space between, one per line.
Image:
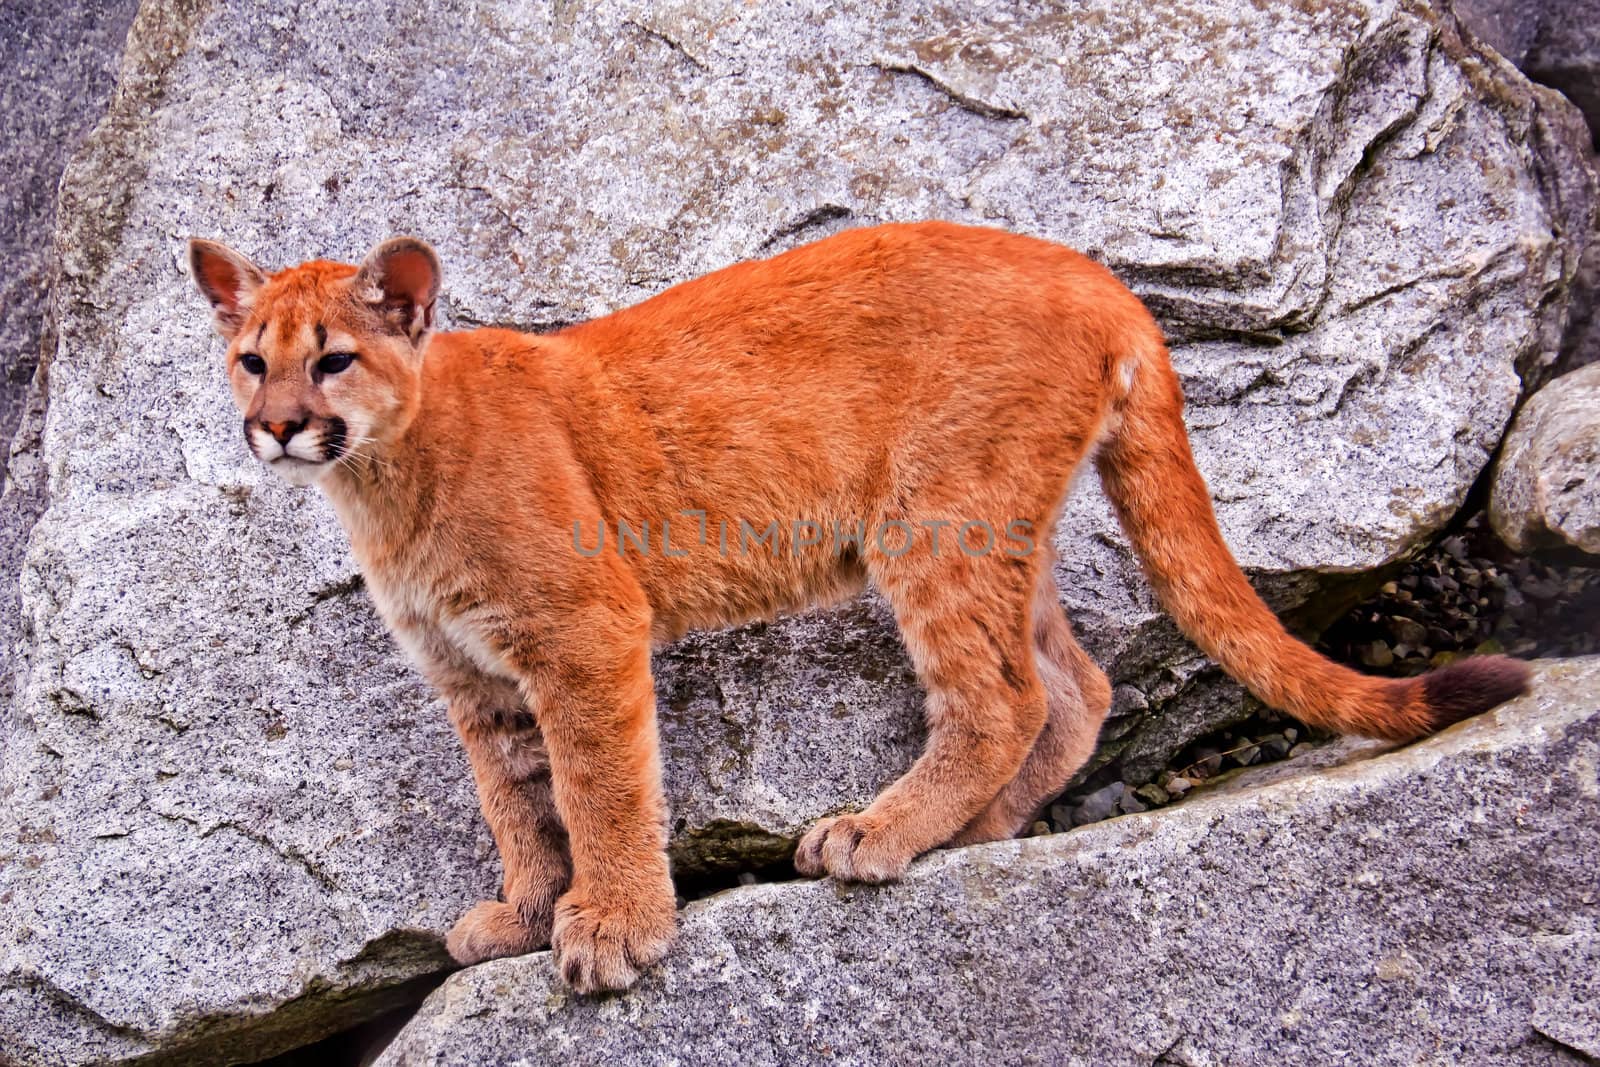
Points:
x=1275 y=746
x=1207 y=762
x=1407 y=631
x=1101 y=804
x=1152 y=795
x=1377 y=654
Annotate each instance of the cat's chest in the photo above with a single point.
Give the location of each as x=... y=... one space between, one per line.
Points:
x=431 y=623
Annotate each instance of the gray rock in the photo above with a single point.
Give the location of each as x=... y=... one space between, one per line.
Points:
x=232 y=818
x=768 y=727
x=1434 y=904
x=1581 y=345
x=1545 y=491
x=58 y=64
x=1566 y=55
x=1556 y=43
x=1101 y=804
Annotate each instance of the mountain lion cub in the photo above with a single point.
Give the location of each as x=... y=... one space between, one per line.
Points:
x=902 y=406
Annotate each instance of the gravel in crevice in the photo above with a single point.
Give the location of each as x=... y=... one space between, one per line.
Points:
x=1466 y=595
x=1471 y=595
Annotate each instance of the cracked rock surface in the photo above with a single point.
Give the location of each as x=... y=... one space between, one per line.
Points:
x=58 y=66
x=1435 y=904
x=1555 y=43
x=231 y=816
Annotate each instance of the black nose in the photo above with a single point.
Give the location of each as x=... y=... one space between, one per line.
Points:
x=283 y=430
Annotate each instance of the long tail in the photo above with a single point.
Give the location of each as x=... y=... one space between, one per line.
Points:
x=1149 y=473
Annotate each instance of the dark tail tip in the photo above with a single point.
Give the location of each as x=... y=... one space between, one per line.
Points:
x=1470 y=686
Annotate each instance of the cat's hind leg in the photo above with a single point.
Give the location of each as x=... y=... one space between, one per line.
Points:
x=1079 y=696
x=966 y=622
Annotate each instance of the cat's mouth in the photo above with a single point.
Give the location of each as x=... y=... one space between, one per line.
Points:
x=302 y=457
x=297 y=471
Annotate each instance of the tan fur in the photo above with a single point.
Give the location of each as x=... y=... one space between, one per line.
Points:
x=903 y=374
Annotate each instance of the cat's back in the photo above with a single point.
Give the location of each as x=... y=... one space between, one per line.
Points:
x=897 y=301
x=890 y=274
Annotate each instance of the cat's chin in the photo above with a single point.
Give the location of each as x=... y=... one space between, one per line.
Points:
x=298 y=472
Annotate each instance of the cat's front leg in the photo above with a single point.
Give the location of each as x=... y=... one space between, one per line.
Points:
x=512 y=770
x=589 y=681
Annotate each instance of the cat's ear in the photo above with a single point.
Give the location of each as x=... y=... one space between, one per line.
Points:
x=228 y=280
x=400 y=280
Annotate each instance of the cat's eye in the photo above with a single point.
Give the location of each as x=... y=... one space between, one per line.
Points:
x=253 y=364
x=334 y=362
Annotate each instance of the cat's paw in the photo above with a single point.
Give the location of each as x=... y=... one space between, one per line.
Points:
x=852 y=848
x=605 y=946
x=492 y=930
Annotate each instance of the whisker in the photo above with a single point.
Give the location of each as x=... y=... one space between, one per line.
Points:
x=354 y=461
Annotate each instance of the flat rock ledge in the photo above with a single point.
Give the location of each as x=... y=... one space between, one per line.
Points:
x=1431 y=904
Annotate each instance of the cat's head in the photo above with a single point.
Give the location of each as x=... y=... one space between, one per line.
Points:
x=324 y=359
